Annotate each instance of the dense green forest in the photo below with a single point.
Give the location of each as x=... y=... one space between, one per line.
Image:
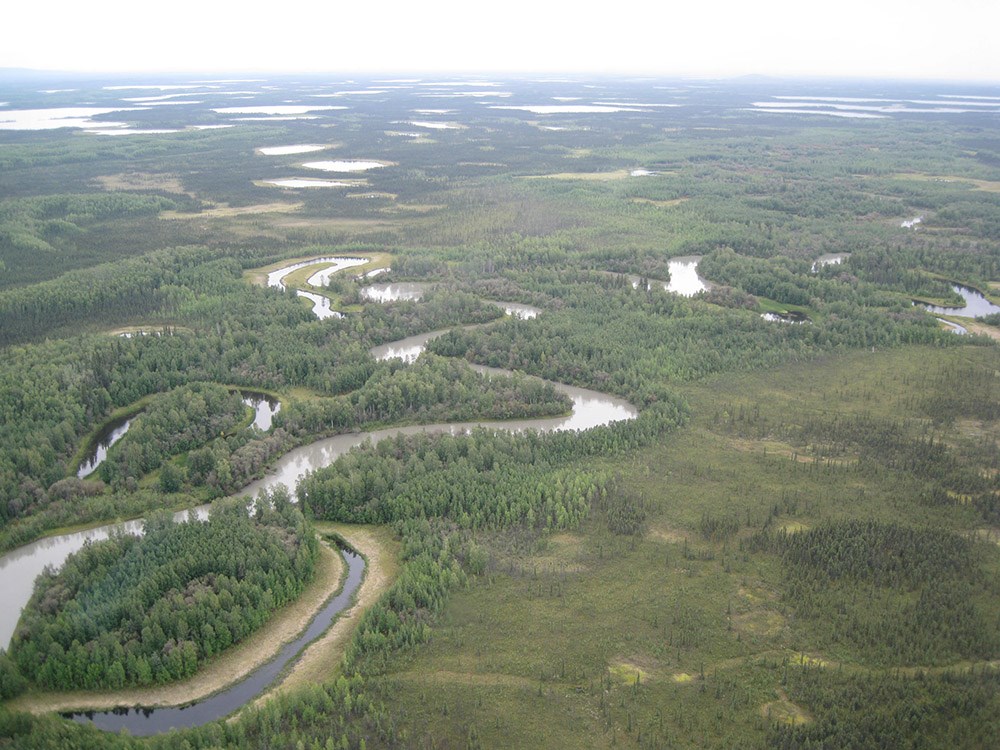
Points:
x=793 y=543
x=134 y=610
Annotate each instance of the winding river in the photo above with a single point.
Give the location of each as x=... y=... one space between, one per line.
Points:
x=976 y=304
x=19 y=568
x=144 y=722
x=321 y=305
x=264 y=408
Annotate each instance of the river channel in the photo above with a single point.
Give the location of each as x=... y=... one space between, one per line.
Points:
x=975 y=304
x=19 y=568
x=264 y=408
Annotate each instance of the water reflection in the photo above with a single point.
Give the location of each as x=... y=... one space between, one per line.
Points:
x=684 y=278
x=407 y=349
x=975 y=304
x=264 y=407
x=829 y=259
x=408 y=291
x=110 y=435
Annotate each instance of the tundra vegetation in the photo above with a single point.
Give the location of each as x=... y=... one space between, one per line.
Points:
x=794 y=544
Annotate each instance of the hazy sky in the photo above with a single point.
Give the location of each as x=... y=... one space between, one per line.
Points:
x=884 y=38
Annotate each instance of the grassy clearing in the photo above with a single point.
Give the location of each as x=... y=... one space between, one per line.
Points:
x=618 y=174
x=168 y=183
x=224 y=211
x=662 y=204
x=544 y=649
x=784 y=711
x=989 y=186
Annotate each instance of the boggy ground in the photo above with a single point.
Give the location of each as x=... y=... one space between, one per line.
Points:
x=680 y=636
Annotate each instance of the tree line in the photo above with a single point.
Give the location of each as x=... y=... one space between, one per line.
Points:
x=139 y=610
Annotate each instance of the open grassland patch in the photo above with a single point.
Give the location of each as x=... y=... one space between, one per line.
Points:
x=665 y=533
x=760 y=623
x=143 y=181
x=661 y=204
x=471 y=679
x=373 y=195
x=990 y=534
x=989 y=186
x=680 y=605
x=808 y=660
x=618 y=174
x=413 y=208
x=793 y=527
x=224 y=211
x=349 y=227
x=562 y=553
x=981 y=329
x=783 y=711
x=631 y=672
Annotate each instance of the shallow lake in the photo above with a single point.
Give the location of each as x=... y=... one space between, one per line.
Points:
x=344 y=165
x=264 y=408
x=684 y=278
x=293 y=182
x=303 y=148
x=58 y=117
x=435 y=125
x=517 y=310
x=407 y=349
x=795 y=318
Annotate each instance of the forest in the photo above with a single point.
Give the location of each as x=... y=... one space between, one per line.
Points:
x=777 y=528
x=137 y=610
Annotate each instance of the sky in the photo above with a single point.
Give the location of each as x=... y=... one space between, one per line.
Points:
x=913 y=39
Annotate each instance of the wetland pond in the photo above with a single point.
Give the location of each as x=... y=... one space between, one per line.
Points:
x=684 y=278
x=829 y=259
x=400 y=291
